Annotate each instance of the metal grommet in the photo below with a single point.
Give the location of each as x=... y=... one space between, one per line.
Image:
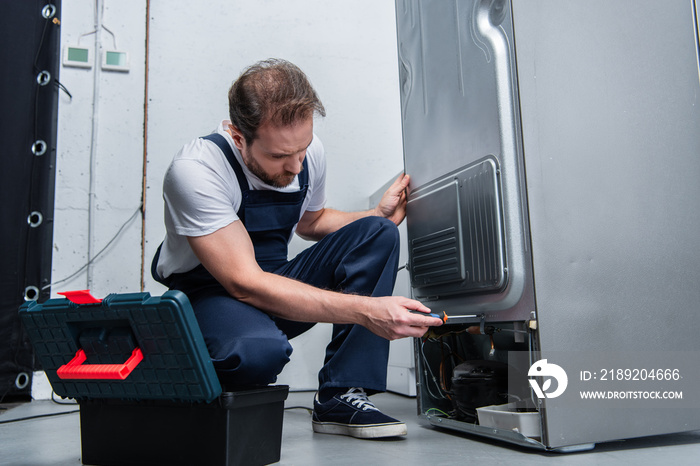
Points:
x=43 y=78
x=22 y=380
x=39 y=147
x=31 y=293
x=48 y=11
x=35 y=219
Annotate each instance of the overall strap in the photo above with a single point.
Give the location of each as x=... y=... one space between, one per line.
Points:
x=303 y=176
x=223 y=144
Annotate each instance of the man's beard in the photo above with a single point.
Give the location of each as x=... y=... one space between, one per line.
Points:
x=278 y=181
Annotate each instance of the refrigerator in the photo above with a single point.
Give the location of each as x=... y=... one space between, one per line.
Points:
x=554 y=215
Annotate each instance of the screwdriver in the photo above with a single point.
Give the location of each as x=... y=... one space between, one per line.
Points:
x=444 y=317
x=439 y=315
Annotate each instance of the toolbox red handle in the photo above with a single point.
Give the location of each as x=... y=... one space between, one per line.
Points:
x=76 y=370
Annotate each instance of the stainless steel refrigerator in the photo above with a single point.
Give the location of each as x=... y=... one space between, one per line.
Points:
x=554 y=211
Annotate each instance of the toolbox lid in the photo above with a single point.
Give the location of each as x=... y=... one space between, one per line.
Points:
x=125 y=346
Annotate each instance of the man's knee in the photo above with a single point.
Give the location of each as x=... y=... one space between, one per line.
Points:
x=371 y=264
x=381 y=230
x=252 y=360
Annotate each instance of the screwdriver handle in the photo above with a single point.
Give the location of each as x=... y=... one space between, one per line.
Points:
x=438 y=315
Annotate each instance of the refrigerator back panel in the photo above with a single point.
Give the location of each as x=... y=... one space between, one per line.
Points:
x=448 y=87
x=467 y=220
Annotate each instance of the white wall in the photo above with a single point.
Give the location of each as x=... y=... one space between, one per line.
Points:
x=118 y=149
x=196 y=49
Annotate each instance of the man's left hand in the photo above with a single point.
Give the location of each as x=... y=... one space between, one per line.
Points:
x=393 y=202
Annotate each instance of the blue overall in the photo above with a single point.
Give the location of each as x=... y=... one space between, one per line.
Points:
x=250 y=347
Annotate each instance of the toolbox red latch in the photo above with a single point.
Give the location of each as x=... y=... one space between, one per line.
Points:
x=76 y=370
x=80 y=297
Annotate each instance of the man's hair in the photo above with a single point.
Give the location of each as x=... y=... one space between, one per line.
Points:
x=274 y=91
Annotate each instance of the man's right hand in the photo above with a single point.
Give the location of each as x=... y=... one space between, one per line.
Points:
x=390 y=317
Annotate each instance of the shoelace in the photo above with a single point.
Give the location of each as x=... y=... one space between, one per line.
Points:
x=358 y=398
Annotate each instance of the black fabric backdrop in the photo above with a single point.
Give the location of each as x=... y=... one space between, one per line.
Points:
x=29 y=44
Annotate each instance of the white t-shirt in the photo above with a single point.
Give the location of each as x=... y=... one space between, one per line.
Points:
x=202 y=195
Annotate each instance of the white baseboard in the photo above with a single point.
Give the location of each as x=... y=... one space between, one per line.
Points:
x=41 y=388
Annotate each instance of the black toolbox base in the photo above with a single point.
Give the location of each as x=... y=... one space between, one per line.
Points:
x=238 y=428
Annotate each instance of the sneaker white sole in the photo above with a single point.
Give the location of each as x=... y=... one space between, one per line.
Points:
x=361 y=431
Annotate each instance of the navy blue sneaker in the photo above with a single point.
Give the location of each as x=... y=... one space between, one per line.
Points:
x=351 y=413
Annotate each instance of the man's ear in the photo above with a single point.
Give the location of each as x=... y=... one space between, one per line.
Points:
x=237 y=136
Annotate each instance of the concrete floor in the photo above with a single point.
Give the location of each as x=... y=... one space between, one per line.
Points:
x=55 y=440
